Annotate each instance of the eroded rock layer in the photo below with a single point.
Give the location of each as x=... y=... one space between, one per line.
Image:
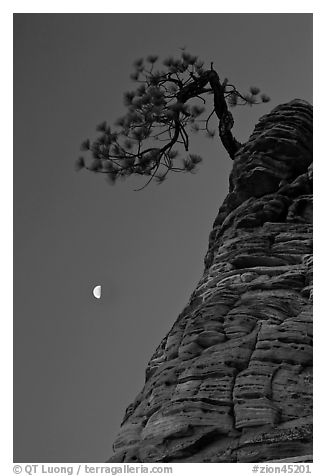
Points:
x=232 y=380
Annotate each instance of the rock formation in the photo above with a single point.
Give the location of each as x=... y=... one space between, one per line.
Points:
x=232 y=380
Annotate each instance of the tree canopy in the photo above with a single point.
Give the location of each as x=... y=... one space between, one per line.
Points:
x=167 y=106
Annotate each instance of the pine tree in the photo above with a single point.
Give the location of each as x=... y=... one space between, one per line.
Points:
x=168 y=104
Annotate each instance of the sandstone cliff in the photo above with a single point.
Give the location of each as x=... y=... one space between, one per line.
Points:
x=232 y=380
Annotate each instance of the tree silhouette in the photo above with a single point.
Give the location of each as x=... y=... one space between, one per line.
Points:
x=152 y=138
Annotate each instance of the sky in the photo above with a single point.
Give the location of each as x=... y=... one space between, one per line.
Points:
x=79 y=361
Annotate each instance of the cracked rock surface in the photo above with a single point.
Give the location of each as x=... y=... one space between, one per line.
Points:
x=232 y=380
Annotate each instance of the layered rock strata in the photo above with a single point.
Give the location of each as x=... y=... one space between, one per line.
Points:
x=232 y=380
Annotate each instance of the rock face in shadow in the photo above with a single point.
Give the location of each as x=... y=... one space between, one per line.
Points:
x=232 y=380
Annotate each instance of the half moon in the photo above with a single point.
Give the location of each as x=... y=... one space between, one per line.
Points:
x=97 y=292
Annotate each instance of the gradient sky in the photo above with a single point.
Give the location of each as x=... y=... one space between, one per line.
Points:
x=80 y=361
